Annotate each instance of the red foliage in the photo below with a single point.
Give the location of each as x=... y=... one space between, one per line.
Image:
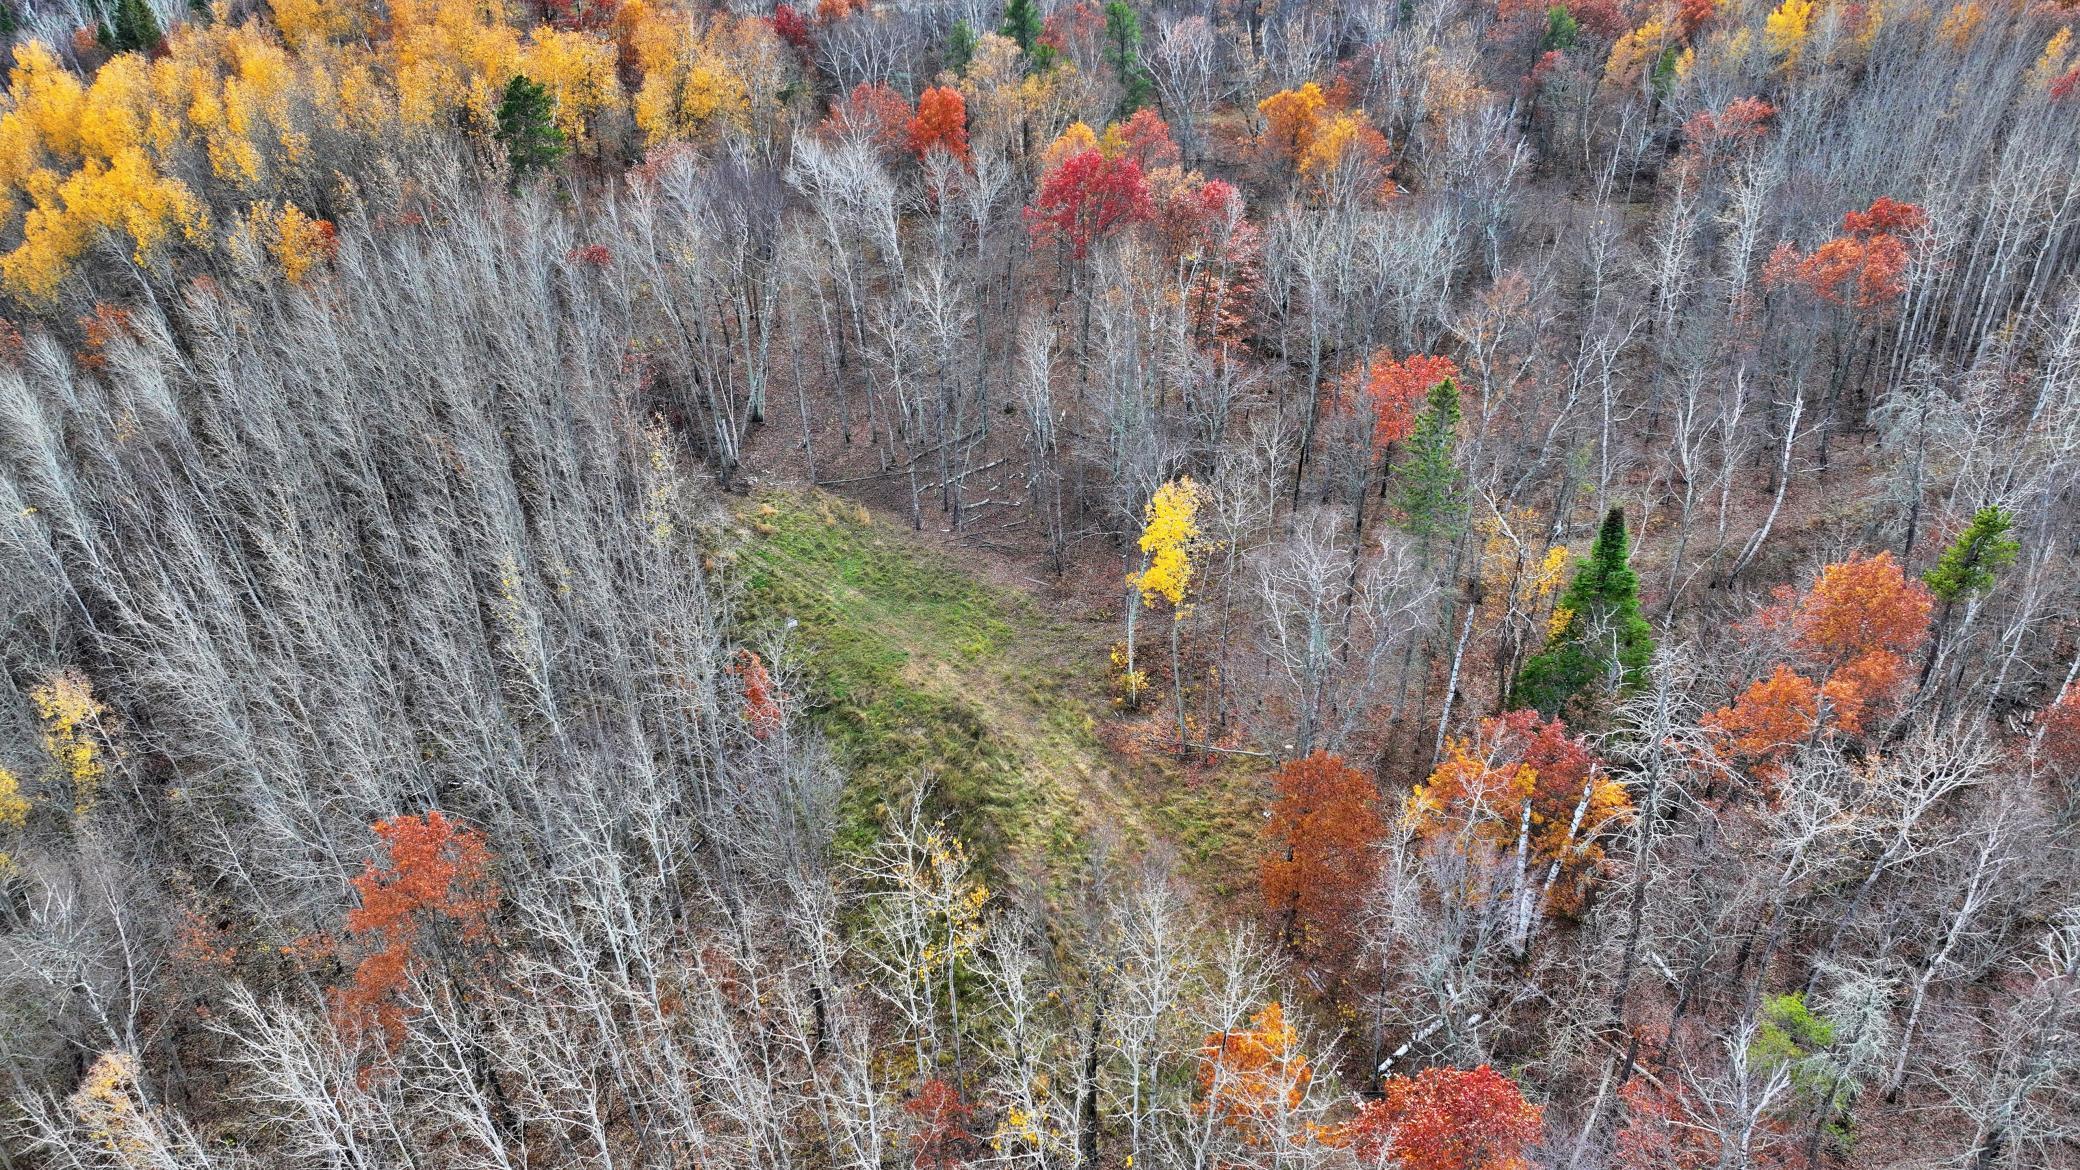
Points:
x=1692 y=15
x=791 y=26
x=1713 y=137
x=1447 y=1119
x=1324 y=824
x=105 y=325
x=592 y=255
x=875 y=112
x=941 y=1140
x=1085 y=198
x=761 y=697
x=1209 y=238
x=2066 y=85
x=1865 y=267
x=1395 y=389
x=1146 y=139
x=941 y=122
x=1076 y=31
x=435 y=876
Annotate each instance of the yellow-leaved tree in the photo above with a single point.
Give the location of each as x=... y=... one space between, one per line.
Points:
x=1169 y=536
x=1785 y=30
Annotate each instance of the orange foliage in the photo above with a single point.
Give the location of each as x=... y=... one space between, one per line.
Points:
x=761 y=697
x=1248 y=1077
x=435 y=876
x=1485 y=784
x=941 y=121
x=1860 y=606
x=1325 y=821
x=1447 y=1119
x=1769 y=719
x=1396 y=389
x=1865 y=267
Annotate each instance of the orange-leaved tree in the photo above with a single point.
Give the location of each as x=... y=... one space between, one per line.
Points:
x=1849 y=638
x=1447 y=1119
x=1522 y=783
x=433 y=884
x=1324 y=824
x=1394 y=390
x=1253 y=1076
x=941 y=123
x=761 y=696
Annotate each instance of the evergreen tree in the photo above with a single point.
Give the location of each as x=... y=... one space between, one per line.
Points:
x=1969 y=566
x=1561 y=29
x=960 y=46
x=527 y=127
x=1122 y=38
x=1022 y=24
x=133 y=29
x=1601 y=632
x=1428 y=480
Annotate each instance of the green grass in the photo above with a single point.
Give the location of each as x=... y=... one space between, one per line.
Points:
x=921 y=674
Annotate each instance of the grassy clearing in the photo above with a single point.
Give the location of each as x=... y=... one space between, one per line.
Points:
x=920 y=673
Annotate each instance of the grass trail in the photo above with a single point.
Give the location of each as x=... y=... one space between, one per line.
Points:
x=922 y=673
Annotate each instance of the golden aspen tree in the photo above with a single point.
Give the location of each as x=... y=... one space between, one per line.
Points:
x=1785 y=30
x=578 y=70
x=1169 y=536
x=70 y=715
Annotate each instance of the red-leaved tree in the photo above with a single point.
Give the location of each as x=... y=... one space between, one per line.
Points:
x=1447 y=1119
x=1087 y=197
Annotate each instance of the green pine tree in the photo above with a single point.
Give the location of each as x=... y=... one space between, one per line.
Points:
x=1971 y=564
x=1122 y=37
x=1604 y=635
x=133 y=28
x=1022 y=24
x=527 y=127
x=960 y=46
x=1561 y=29
x=1428 y=480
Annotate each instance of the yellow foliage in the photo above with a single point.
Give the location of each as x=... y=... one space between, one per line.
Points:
x=106 y=1105
x=1169 y=531
x=305 y=24
x=1785 y=30
x=1551 y=571
x=694 y=99
x=69 y=711
x=1960 y=23
x=14 y=807
x=299 y=243
x=1332 y=141
x=1291 y=117
x=125 y=195
x=1634 y=51
x=2053 y=62
x=578 y=71
x=1069 y=143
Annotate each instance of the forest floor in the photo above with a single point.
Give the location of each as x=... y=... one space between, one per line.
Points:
x=921 y=668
